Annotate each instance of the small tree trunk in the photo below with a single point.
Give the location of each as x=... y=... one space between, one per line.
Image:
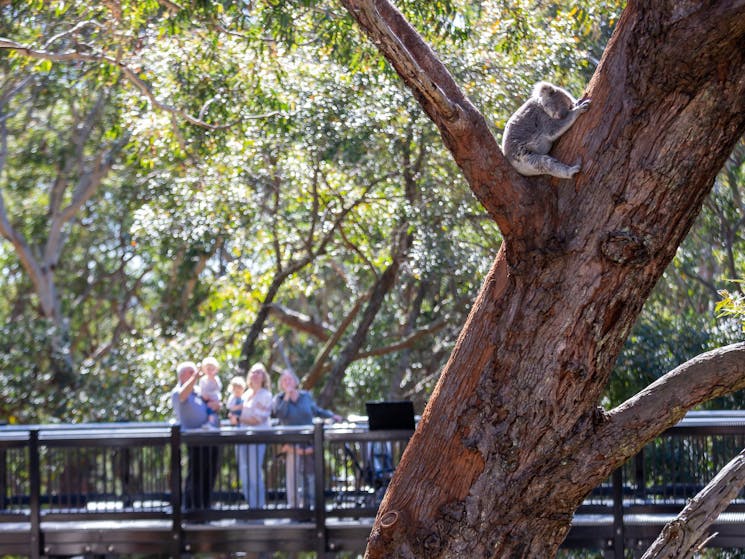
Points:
x=383 y=285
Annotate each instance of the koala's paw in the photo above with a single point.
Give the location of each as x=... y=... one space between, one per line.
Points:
x=583 y=105
x=574 y=169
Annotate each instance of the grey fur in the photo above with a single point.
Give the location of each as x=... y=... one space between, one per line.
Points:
x=534 y=127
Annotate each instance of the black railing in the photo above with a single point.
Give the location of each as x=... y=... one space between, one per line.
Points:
x=117 y=488
x=110 y=489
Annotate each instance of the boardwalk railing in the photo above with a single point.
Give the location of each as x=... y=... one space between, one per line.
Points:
x=109 y=489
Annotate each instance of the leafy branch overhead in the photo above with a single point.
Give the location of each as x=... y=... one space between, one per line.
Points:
x=130 y=75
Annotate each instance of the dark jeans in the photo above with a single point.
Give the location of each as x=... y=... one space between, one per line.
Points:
x=200 y=477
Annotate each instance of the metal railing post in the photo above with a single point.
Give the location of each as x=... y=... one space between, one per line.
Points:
x=618 y=531
x=320 y=489
x=3 y=479
x=175 y=466
x=34 y=477
x=640 y=471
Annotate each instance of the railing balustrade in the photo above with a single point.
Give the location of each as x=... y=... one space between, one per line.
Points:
x=119 y=488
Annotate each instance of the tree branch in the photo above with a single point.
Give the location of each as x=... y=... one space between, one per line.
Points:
x=463 y=128
x=188 y=287
x=299 y=321
x=406 y=64
x=23 y=251
x=294 y=266
x=168 y=4
x=663 y=403
x=406 y=343
x=129 y=74
x=685 y=535
x=382 y=286
x=86 y=187
x=319 y=364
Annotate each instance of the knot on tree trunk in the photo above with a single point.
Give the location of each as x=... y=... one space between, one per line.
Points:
x=625 y=247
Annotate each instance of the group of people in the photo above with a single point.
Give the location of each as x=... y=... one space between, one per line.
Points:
x=196 y=401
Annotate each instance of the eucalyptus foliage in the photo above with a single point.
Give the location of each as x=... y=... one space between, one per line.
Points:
x=262 y=153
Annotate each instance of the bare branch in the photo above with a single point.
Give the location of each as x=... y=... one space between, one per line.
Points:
x=295 y=265
x=408 y=66
x=169 y=4
x=74 y=29
x=406 y=343
x=316 y=371
x=382 y=286
x=299 y=321
x=686 y=534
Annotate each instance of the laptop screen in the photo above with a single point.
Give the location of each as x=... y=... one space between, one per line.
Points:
x=384 y=416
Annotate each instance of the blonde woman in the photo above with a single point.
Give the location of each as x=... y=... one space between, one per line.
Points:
x=257 y=407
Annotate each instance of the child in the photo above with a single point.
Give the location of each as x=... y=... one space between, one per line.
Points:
x=235 y=402
x=210 y=388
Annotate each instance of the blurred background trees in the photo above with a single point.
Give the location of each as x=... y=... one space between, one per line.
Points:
x=224 y=178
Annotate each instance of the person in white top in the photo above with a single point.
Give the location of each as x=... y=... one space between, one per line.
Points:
x=257 y=407
x=210 y=388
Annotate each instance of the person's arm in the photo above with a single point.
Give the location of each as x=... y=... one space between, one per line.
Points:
x=259 y=410
x=176 y=404
x=281 y=407
x=188 y=387
x=326 y=414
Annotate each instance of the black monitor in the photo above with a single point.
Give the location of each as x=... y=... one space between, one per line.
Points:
x=385 y=416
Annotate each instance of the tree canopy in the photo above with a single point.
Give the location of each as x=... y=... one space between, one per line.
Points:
x=236 y=178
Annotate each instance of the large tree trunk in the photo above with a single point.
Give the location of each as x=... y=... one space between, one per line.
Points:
x=512 y=439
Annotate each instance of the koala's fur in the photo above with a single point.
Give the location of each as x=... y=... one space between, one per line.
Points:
x=531 y=131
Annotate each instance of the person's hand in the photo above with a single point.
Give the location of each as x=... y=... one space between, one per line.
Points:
x=214 y=405
x=336 y=417
x=233 y=419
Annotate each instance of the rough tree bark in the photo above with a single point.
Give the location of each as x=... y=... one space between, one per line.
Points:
x=512 y=438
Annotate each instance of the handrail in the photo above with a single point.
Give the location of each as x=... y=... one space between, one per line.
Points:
x=137 y=472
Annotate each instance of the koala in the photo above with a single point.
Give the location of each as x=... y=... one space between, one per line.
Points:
x=531 y=131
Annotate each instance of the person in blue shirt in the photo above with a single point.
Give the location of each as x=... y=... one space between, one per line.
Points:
x=297 y=407
x=192 y=413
